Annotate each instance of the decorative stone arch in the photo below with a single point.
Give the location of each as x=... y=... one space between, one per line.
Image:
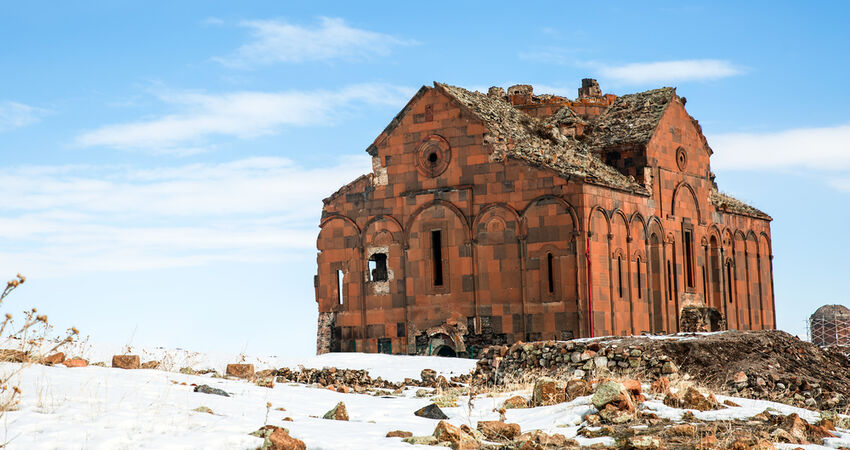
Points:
x=345 y=220
x=714 y=231
x=654 y=226
x=489 y=211
x=764 y=237
x=448 y=205
x=637 y=218
x=618 y=252
x=572 y=212
x=619 y=212
x=687 y=187
x=604 y=215
x=371 y=223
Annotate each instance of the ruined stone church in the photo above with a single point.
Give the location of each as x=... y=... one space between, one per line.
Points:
x=514 y=216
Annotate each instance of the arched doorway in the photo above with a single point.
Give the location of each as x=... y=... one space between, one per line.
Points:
x=445 y=350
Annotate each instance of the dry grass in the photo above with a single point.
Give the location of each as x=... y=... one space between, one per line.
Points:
x=24 y=344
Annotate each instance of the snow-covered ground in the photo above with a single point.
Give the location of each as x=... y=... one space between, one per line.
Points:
x=105 y=408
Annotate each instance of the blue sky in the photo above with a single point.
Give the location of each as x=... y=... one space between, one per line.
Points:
x=164 y=162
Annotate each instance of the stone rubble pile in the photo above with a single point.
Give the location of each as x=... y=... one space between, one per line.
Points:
x=768 y=365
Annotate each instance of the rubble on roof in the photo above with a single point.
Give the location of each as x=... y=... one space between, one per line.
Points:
x=631 y=119
x=727 y=203
x=514 y=134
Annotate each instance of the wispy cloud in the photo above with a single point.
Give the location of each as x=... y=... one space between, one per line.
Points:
x=60 y=220
x=277 y=41
x=16 y=115
x=824 y=150
x=669 y=71
x=242 y=115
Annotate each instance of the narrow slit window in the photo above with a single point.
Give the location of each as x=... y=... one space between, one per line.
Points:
x=704 y=283
x=378 y=267
x=550 y=260
x=640 y=294
x=339 y=285
x=437 y=256
x=729 y=281
x=620 y=275
x=669 y=281
x=689 y=261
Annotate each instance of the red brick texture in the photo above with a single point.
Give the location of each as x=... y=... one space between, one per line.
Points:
x=524 y=251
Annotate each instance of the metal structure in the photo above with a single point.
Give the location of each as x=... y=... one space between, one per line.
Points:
x=830 y=326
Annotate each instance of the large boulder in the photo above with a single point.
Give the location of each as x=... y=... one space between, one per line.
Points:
x=126 y=361
x=338 y=412
x=612 y=393
x=431 y=411
x=494 y=430
x=548 y=391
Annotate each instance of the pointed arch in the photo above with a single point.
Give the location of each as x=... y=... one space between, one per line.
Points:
x=683 y=188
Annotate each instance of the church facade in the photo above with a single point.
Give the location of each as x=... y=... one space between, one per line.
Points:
x=510 y=216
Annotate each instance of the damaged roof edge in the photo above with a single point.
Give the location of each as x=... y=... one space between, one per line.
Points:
x=725 y=203
x=372 y=149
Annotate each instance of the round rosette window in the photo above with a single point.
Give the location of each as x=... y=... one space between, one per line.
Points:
x=433 y=156
x=681 y=158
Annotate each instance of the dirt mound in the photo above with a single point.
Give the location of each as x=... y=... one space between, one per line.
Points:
x=770 y=365
x=777 y=365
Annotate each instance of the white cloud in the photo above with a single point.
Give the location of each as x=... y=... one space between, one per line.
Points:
x=276 y=41
x=824 y=149
x=242 y=115
x=61 y=220
x=16 y=115
x=669 y=71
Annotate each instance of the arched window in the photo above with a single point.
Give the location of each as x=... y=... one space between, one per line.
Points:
x=550 y=260
x=620 y=275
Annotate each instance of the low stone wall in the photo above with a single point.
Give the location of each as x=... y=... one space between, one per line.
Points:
x=577 y=359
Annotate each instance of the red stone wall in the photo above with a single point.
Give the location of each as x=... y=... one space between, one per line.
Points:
x=514 y=253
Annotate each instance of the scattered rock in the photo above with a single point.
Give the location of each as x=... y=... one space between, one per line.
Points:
x=431 y=411
x=281 y=440
x=644 y=442
x=188 y=371
x=75 y=362
x=399 y=434
x=151 y=365
x=633 y=386
x=203 y=409
x=126 y=361
x=494 y=430
x=537 y=439
x=338 y=412
x=731 y=403
x=577 y=388
x=614 y=415
x=681 y=430
x=514 y=402
x=446 y=432
x=660 y=386
x=240 y=370
x=694 y=400
x=55 y=358
x=740 y=378
x=428 y=376
x=265 y=382
x=204 y=389
x=548 y=391
x=421 y=440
